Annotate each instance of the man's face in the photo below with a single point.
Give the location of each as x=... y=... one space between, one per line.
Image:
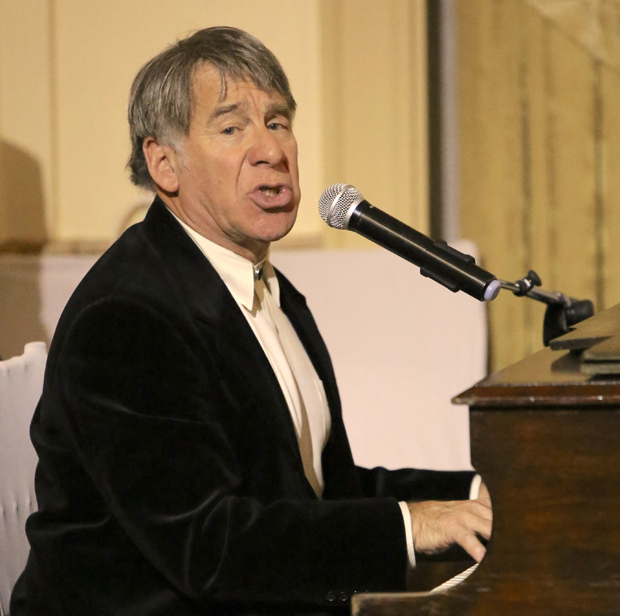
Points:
x=237 y=169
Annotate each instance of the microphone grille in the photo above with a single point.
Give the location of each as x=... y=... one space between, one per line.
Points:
x=335 y=203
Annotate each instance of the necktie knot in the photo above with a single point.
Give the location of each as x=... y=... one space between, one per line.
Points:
x=260 y=270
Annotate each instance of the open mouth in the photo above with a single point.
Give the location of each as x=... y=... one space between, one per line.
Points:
x=271 y=191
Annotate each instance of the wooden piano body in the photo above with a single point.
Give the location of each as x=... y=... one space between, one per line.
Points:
x=545 y=436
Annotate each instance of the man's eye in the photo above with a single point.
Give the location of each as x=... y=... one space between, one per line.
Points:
x=229 y=130
x=276 y=126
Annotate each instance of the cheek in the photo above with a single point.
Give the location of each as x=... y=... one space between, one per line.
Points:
x=223 y=174
x=216 y=183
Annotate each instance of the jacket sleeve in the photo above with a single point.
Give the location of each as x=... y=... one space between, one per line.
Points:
x=139 y=417
x=415 y=485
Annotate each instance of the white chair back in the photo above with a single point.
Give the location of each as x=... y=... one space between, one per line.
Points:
x=21 y=382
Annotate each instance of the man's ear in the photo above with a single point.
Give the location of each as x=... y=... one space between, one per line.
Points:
x=162 y=161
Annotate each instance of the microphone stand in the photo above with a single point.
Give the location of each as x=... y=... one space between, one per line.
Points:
x=562 y=312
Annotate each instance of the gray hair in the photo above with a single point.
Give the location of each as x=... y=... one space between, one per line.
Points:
x=162 y=98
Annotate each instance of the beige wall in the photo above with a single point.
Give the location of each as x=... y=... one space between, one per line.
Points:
x=356 y=68
x=26 y=111
x=374 y=97
x=539 y=86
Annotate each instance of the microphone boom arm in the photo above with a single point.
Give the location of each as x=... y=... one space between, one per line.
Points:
x=562 y=311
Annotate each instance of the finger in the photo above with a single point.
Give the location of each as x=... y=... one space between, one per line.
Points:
x=471 y=544
x=474 y=508
x=484 y=495
x=478 y=524
x=484 y=529
x=480 y=509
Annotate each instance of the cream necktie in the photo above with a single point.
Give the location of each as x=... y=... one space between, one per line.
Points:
x=303 y=384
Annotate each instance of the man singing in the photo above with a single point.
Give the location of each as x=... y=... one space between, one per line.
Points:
x=192 y=453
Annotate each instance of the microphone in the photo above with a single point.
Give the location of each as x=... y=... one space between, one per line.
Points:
x=343 y=207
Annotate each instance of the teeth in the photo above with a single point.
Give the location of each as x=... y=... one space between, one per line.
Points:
x=270 y=192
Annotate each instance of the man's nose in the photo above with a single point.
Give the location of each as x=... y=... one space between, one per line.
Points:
x=266 y=148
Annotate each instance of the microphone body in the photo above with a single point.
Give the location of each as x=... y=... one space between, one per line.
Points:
x=343 y=207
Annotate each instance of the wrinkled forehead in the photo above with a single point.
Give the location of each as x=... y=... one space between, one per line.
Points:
x=212 y=76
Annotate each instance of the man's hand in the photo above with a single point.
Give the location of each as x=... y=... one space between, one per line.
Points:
x=436 y=525
x=483 y=494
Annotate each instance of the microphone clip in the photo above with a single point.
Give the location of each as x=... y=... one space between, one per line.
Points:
x=562 y=311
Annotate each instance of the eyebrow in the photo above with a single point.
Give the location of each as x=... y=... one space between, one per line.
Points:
x=281 y=109
x=275 y=109
x=223 y=110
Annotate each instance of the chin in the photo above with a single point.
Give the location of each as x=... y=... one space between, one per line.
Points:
x=276 y=232
x=274 y=237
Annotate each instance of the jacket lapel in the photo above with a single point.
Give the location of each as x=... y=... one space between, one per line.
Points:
x=221 y=323
x=294 y=306
x=339 y=472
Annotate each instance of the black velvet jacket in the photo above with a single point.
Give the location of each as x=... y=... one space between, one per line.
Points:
x=170 y=479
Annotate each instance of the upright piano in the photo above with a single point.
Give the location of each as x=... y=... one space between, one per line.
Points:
x=545 y=436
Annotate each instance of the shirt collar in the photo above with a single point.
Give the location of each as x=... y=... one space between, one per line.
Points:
x=236 y=271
